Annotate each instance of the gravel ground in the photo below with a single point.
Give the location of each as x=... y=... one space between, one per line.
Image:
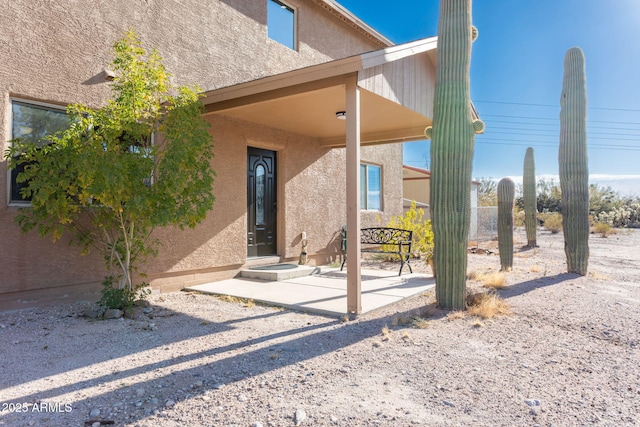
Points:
x=568 y=355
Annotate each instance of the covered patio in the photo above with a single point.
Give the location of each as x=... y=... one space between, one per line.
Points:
x=323 y=292
x=380 y=97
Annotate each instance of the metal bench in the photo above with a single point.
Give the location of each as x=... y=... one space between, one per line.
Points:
x=374 y=238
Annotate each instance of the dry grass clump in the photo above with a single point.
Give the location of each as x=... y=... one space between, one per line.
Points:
x=603 y=229
x=456 y=315
x=229 y=298
x=246 y=302
x=385 y=333
x=491 y=279
x=487 y=305
x=478 y=324
x=535 y=269
x=417 y=319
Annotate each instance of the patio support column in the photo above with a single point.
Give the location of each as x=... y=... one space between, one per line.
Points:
x=354 y=278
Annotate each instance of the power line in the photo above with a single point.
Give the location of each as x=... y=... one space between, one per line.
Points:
x=556 y=125
x=555 y=106
x=557 y=119
x=548 y=144
x=590 y=135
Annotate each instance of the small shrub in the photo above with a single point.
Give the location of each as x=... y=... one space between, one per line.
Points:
x=414 y=220
x=416 y=319
x=122 y=299
x=518 y=217
x=420 y=323
x=603 y=229
x=552 y=221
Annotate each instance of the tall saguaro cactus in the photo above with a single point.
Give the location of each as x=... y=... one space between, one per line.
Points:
x=452 y=152
x=506 y=193
x=530 y=202
x=574 y=171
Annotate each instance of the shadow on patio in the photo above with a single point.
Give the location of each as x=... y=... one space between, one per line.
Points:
x=324 y=293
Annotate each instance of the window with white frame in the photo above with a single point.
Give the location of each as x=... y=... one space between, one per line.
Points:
x=370 y=187
x=32 y=122
x=281 y=23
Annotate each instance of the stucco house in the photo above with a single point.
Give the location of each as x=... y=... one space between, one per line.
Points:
x=307 y=105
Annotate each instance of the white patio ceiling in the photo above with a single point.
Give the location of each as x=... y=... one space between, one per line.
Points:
x=396 y=99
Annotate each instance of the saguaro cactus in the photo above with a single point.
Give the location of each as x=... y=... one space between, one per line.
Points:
x=530 y=202
x=506 y=193
x=452 y=152
x=574 y=171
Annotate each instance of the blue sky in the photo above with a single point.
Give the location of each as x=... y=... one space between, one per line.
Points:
x=516 y=79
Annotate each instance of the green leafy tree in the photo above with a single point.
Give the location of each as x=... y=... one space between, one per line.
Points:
x=549 y=196
x=140 y=162
x=487 y=192
x=603 y=199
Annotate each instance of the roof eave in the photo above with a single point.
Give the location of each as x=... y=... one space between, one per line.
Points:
x=343 y=13
x=335 y=68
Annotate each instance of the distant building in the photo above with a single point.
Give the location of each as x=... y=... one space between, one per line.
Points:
x=416 y=186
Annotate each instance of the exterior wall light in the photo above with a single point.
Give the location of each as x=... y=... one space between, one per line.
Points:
x=341 y=115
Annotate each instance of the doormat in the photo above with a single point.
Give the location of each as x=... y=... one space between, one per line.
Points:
x=275 y=267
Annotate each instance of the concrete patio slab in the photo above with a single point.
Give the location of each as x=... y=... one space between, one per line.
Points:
x=326 y=292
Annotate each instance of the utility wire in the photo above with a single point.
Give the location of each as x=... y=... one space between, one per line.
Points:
x=555 y=106
x=556 y=125
x=557 y=119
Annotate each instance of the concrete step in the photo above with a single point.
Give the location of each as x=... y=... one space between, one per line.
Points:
x=277 y=272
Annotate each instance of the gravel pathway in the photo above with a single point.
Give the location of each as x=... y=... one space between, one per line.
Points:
x=568 y=355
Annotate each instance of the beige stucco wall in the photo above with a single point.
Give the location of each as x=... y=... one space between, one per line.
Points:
x=55 y=52
x=311 y=198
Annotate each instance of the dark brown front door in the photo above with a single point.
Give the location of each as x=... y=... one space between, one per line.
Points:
x=261 y=202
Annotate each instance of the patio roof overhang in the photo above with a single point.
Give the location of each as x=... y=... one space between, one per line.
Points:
x=387 y=96
x=397 y=86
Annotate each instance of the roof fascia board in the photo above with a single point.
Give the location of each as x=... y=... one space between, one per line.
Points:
x=401 y=51
x=278 y=92
x=415 y=169
x=322 y=71
x=348 y=16
x=296 y=77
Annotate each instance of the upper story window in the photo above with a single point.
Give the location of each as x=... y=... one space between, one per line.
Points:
x=281 y=23
x=32 y=122
x=370 y=187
